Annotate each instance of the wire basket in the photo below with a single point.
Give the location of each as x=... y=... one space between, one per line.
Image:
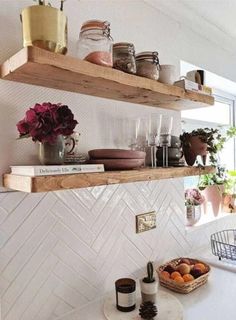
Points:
x=223 y=244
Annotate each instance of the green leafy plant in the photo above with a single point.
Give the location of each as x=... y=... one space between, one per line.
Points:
x=150 y=278
x=215 y=143
x=212 y=137
x=230 y=183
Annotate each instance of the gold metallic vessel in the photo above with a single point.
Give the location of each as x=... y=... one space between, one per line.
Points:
x=45 y=27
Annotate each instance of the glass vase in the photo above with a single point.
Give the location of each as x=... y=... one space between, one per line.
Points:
x=52 y=154
x=193 y=215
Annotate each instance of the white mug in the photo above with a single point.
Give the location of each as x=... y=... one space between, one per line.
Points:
x=167 y=74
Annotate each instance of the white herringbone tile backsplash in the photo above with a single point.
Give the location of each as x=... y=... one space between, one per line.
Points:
x=60 y=250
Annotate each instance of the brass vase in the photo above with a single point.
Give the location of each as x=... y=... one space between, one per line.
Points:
x=45 y=27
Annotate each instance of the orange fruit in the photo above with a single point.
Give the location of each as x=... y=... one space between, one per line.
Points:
x=178 y=279
x=183 y=268
x=188 y=277
x=175 y=274
x=200 y=266
x=165 y=275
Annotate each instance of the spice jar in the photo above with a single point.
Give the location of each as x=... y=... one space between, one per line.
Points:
x=124 y=57
x=125 y=294
x=147 y=64
x=95 y=43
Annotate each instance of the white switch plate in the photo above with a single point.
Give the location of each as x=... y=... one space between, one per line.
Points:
x=145 y=221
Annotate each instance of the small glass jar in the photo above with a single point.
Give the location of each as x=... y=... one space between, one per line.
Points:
x=147 y=64
x=125 y=294
x=124 y=57
x=95 y=43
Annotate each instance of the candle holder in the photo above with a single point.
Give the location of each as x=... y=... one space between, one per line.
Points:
x=125 y=294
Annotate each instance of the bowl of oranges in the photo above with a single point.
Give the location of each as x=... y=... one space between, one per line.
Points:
x=183 y=275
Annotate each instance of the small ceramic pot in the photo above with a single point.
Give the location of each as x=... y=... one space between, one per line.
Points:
x=193 y=215
x=167 y=74
x=214 y=196
x=229 y=205
x=194 y=147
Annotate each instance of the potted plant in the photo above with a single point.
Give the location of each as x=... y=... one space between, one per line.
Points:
x=212 y=185
x=201 y=142
x=48 y=123
x=193 y=201
x=45 y=27
x=149 y=285
x=229 y=194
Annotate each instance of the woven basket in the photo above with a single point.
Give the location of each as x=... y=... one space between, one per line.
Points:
x=185 y=287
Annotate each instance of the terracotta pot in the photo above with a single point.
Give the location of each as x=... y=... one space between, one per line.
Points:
x=214 y=196
x=229 y=205
x=194 y=147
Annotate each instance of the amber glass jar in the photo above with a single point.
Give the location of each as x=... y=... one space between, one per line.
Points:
x=124 y=57
x=125 y=294
x=147 y=64
x=95 y=43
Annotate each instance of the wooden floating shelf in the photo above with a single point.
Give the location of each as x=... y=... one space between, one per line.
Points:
x=39 y=67
x=85 y=180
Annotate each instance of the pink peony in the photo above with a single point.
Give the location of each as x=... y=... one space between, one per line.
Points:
x=193 y=197
x=44 y=122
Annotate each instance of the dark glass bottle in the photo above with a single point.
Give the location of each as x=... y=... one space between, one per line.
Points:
x=125 y=294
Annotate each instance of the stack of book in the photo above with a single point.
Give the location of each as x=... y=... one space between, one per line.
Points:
x=193 y=86
x=34 y=171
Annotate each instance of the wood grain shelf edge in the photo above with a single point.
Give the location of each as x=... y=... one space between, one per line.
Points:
x=85 y=180
x=36 y=66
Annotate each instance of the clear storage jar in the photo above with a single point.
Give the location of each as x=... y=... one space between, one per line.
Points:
x=124 y=57
x=147 y=64
x=95 y=43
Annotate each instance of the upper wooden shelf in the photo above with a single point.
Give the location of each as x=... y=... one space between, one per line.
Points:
x=36 y=66
x=85 y=180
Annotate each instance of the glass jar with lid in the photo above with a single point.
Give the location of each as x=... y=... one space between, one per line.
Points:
x=124 y=57
x=95 y=43
x=147 y=64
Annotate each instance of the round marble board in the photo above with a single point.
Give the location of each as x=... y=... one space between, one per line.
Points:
x=169 y=308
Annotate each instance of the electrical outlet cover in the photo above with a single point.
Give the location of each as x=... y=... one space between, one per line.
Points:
x=145 y=221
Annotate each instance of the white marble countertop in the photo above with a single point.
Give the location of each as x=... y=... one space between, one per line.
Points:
x=213 y=301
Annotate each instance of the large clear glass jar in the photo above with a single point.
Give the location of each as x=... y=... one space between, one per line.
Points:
x=124 y=57
x=95 y=43
x=147 y=64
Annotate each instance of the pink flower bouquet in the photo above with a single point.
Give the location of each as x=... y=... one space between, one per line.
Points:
x=44 y=122
x=193 y=197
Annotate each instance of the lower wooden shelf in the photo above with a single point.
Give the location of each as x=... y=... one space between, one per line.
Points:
x=85 y=180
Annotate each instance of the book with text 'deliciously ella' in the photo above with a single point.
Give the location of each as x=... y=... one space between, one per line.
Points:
x=56 y=170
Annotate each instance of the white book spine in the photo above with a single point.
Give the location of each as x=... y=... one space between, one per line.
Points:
x=56 y=170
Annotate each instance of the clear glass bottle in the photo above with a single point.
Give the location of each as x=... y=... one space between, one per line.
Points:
x=95 y=43
x=147 y=64
x=124 y=57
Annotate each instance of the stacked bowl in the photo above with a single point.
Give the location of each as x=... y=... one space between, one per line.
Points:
x=117 y=159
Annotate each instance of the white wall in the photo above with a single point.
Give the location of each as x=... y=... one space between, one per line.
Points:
x=60 y=250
